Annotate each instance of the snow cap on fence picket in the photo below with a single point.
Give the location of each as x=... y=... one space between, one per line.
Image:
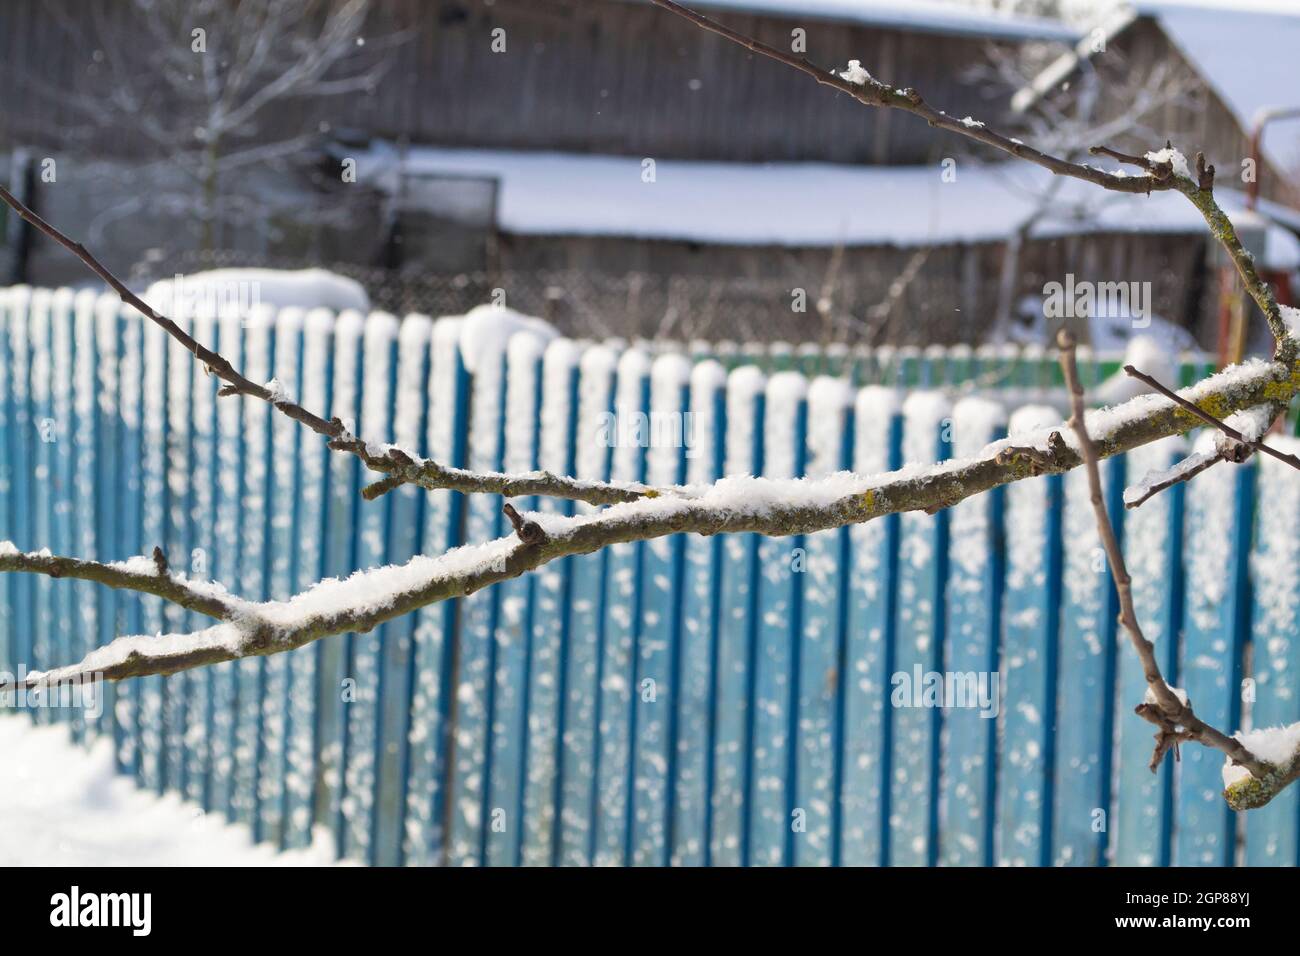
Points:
x=670 y=422
x=786 y=391
x=348 y=325
x=830 y=392
x=596 y=371
x=16 y=297
x=289 y=320
x=412 y=368
x=84 y=299
x=923 y=416
x=707 y=374
x=524 y=366
x=708 y=378
x=558 y=366
x=1146 y=354
x=875 y=409
x=975 y=420
x=633 y=364
x=562 y=355
x=786 y=388
x=1032 y=418
x=669 y=370
x=38 y=318
x=446 y=331
x=829 y=398
x=744 y=386
x=318 y=321
x=746 y=380
x=443 y=384
x=524 y=347
x=487 y=329
x=598 y=360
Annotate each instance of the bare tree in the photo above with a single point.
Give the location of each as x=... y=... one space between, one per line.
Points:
x=1254 y=394
x=225 y=89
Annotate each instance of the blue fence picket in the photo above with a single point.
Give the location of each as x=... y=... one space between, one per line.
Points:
x=202 y=518
x=394 y=639
x=550 y=637
x=869 y=649
x=1218 y=527
x=1272 y=836
x=737 y=630
x=361 y=753
x=775 y=662
x=254 y=559
x=60 y=435
x=974 y=606
x=821 y=640
x=80 y=615
x=8 y=481
x=1153 y=545
x=922 y=568
x=513 y=632
x=153 y=534
x=304 y=701
x=226 y=560
x=107 y=478
x=622 y=618
x=700 y=607
x=429 y=736
x=656 y=689
x=1085 y=669
x=284 y=542
x=41 y=437
x=84 y=440
x=479 y=615
x=593 y=455
x=343 y=508
x=1027 y=675
x=176 y=543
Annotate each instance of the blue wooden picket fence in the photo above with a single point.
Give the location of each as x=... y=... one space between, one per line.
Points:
x=686 y=701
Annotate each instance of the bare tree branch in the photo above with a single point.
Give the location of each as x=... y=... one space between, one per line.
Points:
x=733 y=505
x=1171 y=712
x=145 y=575
x=1254 y=444
x=1161 y=169
x=1158 y=481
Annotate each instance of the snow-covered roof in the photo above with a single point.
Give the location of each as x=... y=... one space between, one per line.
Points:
x=797 y=204
x=1247 y=54
x=1245 y=50
x=932 y=16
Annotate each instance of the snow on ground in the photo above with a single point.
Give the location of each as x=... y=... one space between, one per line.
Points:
x=63 y=805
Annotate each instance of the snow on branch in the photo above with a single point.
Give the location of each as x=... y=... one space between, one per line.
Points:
x=145 y=575
x=736 y=504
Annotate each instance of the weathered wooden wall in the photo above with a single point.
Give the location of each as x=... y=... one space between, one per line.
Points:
x=580 y=75
x=745 y=292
